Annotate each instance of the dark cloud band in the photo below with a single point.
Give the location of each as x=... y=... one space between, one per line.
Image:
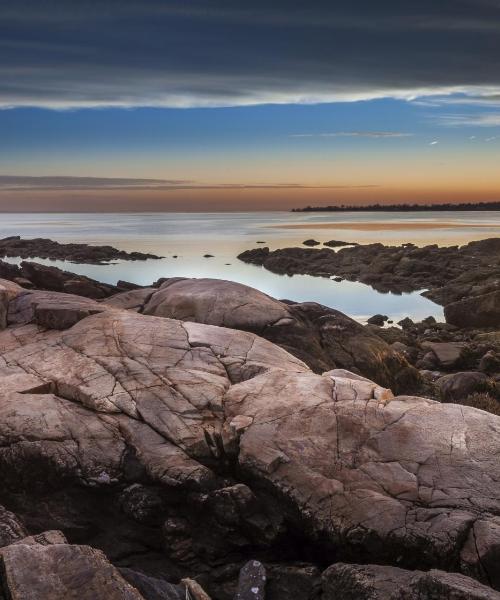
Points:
x=71 y=53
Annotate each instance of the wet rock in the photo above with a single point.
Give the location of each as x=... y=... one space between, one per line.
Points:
x=311 y=243
x=252 y=582
x=457 y=386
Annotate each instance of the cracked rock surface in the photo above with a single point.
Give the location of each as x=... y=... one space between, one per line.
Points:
x=184 y=450
x=322 y=337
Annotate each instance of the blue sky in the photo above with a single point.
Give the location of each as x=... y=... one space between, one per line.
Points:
x=380 y=101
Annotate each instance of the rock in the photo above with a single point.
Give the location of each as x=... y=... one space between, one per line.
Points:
x=8 y=291
x=457 y=386
x=11 y=529
x=52 y=310
x=448 y=354
x=131 y=300
x=406 y=323
x=490 y=362
x=252 y=582
x=321 y=337
x=194 y=590
x=311 y=243
x=339 y=244
x=54 y=279
x=428 y=362
x=409 y=353
x=182 y=449
x=152 y=588
x=477 y=311
x=77 y=253
x=46 y=538
x=357 y=480
x=374 y=582
x=59 y=572
x=479 y=551
x=298 y=581
x=216 y=302
x=9 y=271
x=377 y=320
x=449 y=274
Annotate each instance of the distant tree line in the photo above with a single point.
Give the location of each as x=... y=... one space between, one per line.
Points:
x=401 y=207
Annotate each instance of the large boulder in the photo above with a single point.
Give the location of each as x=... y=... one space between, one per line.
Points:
x=475 y=311
x=457 y=386
x=210 y=444
x=322 y=337
x=216 y=302
x=396 y=479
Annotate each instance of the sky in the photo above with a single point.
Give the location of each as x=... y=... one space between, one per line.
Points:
x=229 y=105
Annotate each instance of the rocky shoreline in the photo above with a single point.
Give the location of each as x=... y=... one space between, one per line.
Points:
x=198 y=438
x=465 y=280
x=15 y=246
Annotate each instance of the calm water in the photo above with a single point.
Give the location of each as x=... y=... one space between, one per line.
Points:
x=225 y=235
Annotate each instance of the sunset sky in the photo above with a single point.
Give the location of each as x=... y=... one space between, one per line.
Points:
x=226 y=105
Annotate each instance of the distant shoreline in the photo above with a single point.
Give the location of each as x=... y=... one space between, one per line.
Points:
x=378 y=226
x=480 y=206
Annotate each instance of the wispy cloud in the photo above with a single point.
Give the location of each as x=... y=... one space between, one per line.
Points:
x=470 y=120
x=13 y=183
x=361 y=134
x=434 y=143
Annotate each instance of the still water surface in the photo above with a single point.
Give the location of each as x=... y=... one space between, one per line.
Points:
x=224 y=235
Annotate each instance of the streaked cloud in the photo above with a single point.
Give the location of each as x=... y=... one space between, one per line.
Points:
x=14 y=183
x=361 y=134
x=472 y=119
x=68 y=54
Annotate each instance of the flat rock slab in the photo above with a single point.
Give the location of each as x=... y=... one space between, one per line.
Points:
x=448 y=354
x=61 y=572
x=374 y=582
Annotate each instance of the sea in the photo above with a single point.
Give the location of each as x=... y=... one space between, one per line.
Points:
x=183 y=239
